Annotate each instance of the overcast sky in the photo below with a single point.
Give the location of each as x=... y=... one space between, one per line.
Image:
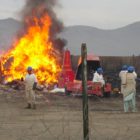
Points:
x=104 y=14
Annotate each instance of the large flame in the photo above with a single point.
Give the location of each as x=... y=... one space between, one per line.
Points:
x=33 y=49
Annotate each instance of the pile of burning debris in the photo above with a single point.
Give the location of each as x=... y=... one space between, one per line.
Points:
x=19 y=84
x=37 y=45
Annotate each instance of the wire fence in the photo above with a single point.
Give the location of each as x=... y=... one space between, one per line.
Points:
x=60 y=117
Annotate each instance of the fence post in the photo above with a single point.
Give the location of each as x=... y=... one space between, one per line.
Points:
x=84 y=92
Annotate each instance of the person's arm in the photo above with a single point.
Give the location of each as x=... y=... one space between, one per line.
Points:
x=135 y=74
x=35 y=83
x=120 y=75
x=35 y=79
x=102 y=80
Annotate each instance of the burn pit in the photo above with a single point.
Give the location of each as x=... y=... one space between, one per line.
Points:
x=37 y=45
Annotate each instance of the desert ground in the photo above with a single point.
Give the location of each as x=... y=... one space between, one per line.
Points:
x=59 y=117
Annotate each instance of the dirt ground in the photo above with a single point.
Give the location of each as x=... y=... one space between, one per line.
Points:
x=59 y=117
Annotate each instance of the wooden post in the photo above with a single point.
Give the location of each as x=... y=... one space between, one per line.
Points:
x=84 y=92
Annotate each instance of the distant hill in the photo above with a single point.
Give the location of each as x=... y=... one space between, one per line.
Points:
x=118 y=42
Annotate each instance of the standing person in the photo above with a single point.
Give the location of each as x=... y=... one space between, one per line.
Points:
x=98 y=76
x=30 y=85
x=129 y=91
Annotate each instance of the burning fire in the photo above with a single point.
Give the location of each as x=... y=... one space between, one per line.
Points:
x=33 y=49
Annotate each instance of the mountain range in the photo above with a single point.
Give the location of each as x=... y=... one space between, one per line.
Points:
x=124 y=41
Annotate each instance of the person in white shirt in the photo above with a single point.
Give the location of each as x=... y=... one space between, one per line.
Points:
x=30 y=85
x=129 y=91
x=98 y=76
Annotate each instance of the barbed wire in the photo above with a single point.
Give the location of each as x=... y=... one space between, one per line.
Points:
x=61 y=118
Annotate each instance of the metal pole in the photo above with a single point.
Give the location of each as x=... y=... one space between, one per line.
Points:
x=84 y=92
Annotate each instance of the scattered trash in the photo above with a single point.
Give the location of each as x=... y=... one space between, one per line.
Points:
x=62 y=90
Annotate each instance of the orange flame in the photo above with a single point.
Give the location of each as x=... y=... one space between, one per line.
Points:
x=34 y=49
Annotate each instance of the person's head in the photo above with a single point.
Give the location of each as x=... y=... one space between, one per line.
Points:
x=100 y=71
x=131 y=69
x=29 y=69
x=124 y=67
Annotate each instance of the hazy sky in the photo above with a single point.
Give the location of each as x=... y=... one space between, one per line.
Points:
x=99 y=13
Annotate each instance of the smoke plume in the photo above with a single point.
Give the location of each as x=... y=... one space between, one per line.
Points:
x=37 y=8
